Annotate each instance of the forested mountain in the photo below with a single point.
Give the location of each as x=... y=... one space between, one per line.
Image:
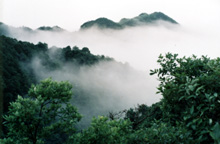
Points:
x=102 y=23
x=54 y=28
x=142 y=19
x=17 y=75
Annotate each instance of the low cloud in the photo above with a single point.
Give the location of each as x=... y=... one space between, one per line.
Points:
x=103 y=87
x=139 y=46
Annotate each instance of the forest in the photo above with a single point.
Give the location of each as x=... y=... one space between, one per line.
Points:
x=41 y=111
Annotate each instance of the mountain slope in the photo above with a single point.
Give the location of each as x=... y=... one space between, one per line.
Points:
x=17 y=72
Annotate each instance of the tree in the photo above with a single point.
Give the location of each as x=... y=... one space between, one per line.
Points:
x=42 y=116
x=191 y=94
x=105 y=131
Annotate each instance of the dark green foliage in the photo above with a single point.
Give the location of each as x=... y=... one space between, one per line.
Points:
x=103 y=131
x=162 y=133
x=190 y=89
x=15 y=79
x=215 y=133
x=79 y=56
x=44 y=114
x=143 y=115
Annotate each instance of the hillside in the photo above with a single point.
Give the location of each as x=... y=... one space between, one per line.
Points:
x=17 y=72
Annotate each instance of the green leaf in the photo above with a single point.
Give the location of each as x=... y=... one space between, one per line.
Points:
x=182 y=97
x=191 y=88
x=215 y=134
x=192 y=110
x=203 y=110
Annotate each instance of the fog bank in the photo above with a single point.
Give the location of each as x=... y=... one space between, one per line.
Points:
x=139 y=46
x=103 y=87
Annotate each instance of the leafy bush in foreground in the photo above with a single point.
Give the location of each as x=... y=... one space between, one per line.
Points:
x=44 y=116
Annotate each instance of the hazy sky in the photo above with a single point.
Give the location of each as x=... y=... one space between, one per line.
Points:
x=70 y=14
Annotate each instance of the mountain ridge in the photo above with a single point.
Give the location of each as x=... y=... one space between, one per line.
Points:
x=140 y=20
x=102 y=23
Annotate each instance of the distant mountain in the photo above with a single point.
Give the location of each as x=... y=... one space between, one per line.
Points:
x=11 y=31
x=3 y=29
x=102 y=23
x=26 y=33
x=53 y=29
x=142 y=19
x=145 y=18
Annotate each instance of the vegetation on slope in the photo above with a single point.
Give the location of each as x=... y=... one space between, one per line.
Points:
x=17 y=74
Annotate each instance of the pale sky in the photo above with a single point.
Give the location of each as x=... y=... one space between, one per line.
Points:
x=70 y=14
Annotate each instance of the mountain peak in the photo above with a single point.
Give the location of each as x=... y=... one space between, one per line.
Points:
x=101 y=23
x=142 y=19
x=48 y=28
x=143 y=14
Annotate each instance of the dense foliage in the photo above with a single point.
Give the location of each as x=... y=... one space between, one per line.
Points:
x=103 y=131
x=190 y=89
x=46 y=115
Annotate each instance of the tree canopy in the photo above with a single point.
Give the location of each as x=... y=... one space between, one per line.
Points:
x=191 y=94
x=44 y=116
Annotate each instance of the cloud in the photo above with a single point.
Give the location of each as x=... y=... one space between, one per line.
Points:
x=103 y=87
x=139 y=46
